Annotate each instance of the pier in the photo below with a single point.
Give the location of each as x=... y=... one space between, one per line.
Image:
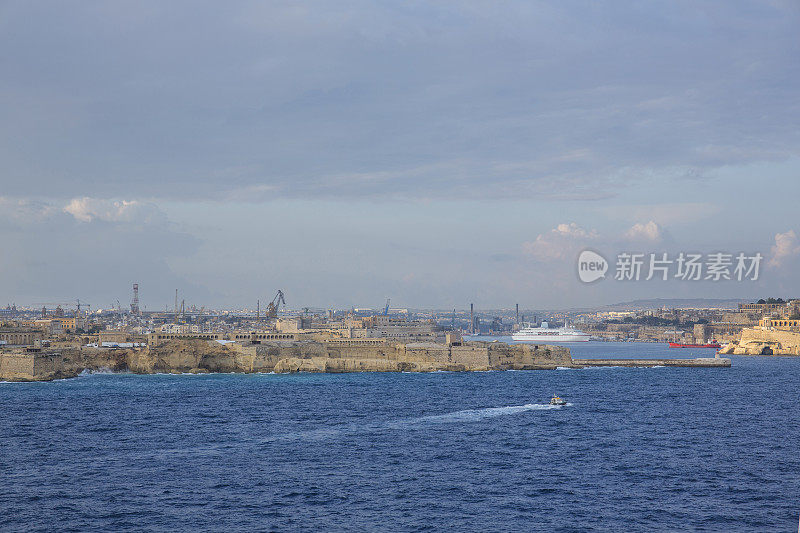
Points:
x=699 y=362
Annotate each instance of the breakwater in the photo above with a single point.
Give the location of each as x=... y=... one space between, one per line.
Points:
x=699 y=362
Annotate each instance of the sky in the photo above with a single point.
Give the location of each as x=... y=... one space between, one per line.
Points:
x=435 y=153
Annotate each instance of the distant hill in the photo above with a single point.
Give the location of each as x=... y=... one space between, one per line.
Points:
x=676 y=303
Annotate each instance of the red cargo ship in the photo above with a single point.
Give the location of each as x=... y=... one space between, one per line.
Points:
x=681 y=345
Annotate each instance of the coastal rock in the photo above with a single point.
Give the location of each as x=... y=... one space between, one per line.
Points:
x=201 y=356
x=728 y=349
x=762 y=341
x=188 y=355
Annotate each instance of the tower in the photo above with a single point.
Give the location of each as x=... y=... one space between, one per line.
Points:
x=471 y=318
x=135 y=301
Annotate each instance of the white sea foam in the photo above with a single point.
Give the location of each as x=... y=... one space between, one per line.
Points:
x=468 y=415
x=90 y=372
x=475 y=415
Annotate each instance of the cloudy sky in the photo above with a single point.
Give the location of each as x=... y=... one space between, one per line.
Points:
x=433 y=152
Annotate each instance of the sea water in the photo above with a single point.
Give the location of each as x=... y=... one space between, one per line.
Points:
x=635 y=449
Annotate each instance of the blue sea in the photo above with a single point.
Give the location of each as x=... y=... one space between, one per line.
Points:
x=636 y=449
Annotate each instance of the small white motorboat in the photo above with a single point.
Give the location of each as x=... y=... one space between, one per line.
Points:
x=557 y=400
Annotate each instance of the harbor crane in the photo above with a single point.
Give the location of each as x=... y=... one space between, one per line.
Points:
x=180 y=310
x=272 y=308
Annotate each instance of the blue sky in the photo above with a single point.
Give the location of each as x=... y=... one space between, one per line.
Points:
x=350 y=151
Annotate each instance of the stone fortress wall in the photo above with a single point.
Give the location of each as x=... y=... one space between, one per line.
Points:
x=198 y=355
x=765 y=341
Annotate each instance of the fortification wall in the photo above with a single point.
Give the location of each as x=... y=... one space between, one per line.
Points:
x=470 y=356
x=757 y=341
x=28 y=366
x=16 y=366
x=528 y=356
x=197 y=355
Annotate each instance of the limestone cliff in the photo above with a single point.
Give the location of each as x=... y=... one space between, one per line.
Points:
x=758 y=341
x=194 y=355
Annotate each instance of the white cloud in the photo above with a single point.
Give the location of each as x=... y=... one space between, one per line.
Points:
x=786 y=246
x=88 y=209
x=649 y=231
x=559 y=243
x=572 y=230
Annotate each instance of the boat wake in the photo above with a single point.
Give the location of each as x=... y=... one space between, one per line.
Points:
x=465 y=416
x=475 y=415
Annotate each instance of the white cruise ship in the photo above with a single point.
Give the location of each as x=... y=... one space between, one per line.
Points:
x=544 y=334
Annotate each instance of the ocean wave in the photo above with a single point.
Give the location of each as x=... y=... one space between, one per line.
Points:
x=98 y=371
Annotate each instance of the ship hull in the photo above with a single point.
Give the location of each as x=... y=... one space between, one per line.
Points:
x=550 y=339
x=681 y=345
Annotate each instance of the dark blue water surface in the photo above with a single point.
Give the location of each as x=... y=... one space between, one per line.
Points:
x=656 y=449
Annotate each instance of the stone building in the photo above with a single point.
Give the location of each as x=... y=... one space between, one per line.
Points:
x=780 y=324
x=19 y=337
x=765 y=309
x=30 y=364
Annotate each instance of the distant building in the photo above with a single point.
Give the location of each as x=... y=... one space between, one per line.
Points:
x=112 y=336
x=763 y=309
x=157 y=338
x=292 y=325
x=257 y=337
x=54 y=325
x=19 y=337
x=780 y=323
x=179 y=328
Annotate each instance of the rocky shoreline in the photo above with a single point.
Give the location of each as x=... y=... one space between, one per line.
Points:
x=200 y=356
x=762 y=341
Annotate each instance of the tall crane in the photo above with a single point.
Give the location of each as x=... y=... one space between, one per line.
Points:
x=272 y=308
x=135 y=301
